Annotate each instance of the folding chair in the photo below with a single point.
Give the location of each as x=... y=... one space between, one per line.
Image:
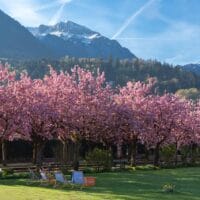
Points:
x=60 y=178
x=45 y=179
x=78 y=178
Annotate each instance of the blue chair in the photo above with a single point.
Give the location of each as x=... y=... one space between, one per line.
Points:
x=60 y=178
x=78 y=177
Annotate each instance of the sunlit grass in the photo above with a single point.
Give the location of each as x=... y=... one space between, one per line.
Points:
x=140 y=185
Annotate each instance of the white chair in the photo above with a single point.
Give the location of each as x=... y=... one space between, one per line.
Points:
x=43 y=175
x=44 y=178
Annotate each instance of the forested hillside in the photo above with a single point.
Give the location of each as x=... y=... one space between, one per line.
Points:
x=118 y=72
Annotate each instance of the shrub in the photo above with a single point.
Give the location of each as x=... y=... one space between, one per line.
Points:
x=9 y=174
x=146 y=167
x=126 y=169
x=6 y=172
x=141 y=167
x=184 y=154
x=65 y=170
x=168 y=188
x=100 y=158
x=168 y=152
x=89 y=170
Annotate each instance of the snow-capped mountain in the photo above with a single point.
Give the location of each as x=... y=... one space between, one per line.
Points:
x=66 y=30
x=69 y=38
x=62 y=39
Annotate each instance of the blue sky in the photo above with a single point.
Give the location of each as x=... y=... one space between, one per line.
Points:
x=167 y=30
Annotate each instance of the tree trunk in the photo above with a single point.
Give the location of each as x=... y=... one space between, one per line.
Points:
x=70 y=152
x=76 y=156
x=64 y=152
x=157 y=155
x=4 y=156
x=176 y=155
x=38 y=152
x=146 y=155
x=193 y=153
x=34 y=153
x=133 y=147
x=119 y=151
x=39 y=157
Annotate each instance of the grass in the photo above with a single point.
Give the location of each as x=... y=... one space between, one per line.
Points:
x=138 y=185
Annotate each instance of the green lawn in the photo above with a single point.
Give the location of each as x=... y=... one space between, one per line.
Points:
x=138 y=185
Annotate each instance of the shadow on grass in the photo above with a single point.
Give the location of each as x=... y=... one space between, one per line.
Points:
x=136 y=185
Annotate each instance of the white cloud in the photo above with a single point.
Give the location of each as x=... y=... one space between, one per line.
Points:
x=29 y=12
x=23 y=11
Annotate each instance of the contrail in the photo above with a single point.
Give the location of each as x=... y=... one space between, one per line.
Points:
x=59 y=12
x=47 y=6
x=131 y=18
x=57 y=15
x=52 y=5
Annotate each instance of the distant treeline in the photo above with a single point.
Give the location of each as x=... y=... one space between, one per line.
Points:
x=118 y=72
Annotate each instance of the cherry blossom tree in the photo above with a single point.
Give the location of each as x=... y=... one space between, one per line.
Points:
x=80 y=106
x=165 y=111
x=132 y=98
x=12 y=118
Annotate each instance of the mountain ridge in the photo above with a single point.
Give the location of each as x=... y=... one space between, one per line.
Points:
x=72 y=39
x=17 y=42
x=57 y=41
x=192 y=67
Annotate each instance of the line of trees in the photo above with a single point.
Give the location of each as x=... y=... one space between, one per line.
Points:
x=80 y=106
x=169 y=78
